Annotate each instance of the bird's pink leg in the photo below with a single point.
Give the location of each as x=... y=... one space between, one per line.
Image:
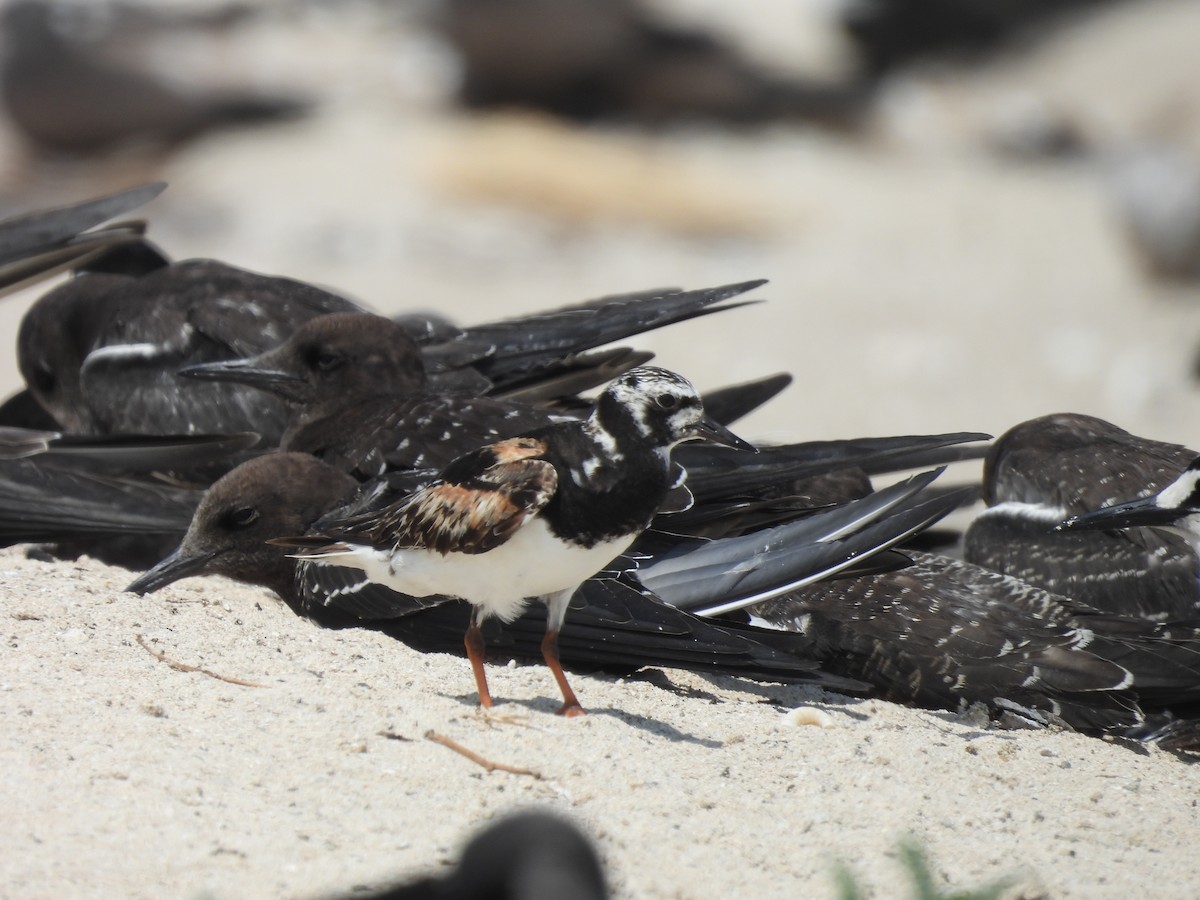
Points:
x=475 y=650
x=570 y=707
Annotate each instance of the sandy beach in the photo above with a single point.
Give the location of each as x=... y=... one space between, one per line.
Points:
x=125 y=776
x=205 y=742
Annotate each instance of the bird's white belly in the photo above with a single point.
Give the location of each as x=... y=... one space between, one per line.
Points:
x=532 y=563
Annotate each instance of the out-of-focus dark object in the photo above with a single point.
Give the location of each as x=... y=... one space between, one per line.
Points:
x=65 y=92
x=890 y=33
x=530 y=855
x=1157 y=192
x=1026 y=127
x=38 y=244
x=589 y=59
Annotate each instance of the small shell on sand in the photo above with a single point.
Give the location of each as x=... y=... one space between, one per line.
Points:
x=807 y=715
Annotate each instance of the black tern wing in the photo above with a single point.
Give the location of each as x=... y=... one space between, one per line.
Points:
x=714 y=577
x=716 y=472
x=946 y=634
x=26 y=236
x=50 y=503
x=520 y=346
x=124 y=453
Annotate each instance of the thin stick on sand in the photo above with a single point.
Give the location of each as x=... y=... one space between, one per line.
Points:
x=184 y=667
x=476 y=758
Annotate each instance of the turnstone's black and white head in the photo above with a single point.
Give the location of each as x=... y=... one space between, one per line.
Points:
x=532 y=516
x=335 y=356
x=654 y=407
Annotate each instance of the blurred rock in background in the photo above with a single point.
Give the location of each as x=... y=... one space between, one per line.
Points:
x=955 y=259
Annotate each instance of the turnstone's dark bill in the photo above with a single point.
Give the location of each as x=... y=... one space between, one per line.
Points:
x=532 y=516
x=1049 y=469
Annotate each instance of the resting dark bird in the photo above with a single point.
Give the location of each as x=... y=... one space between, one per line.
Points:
x=361 y=400
x=1051 y=468
x=946 y=634
x=65 y=94
x=101 y=353
x=588 y=59
x=615 y=623
x=530 y=517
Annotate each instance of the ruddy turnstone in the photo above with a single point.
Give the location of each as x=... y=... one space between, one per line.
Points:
x=532 y=516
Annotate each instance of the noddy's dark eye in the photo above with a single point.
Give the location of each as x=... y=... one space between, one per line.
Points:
x=667 y=401
x=242 y=518
x=327 y=362
x=43 y=379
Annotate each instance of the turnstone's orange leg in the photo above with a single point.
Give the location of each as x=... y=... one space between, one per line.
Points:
x=475 y=650
x=570 y=707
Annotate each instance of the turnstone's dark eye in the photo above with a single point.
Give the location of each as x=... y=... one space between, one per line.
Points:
x=667 y=401
x=242 y=518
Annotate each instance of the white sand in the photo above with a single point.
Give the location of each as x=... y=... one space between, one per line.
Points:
x=918 y=284
x=126 y=777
